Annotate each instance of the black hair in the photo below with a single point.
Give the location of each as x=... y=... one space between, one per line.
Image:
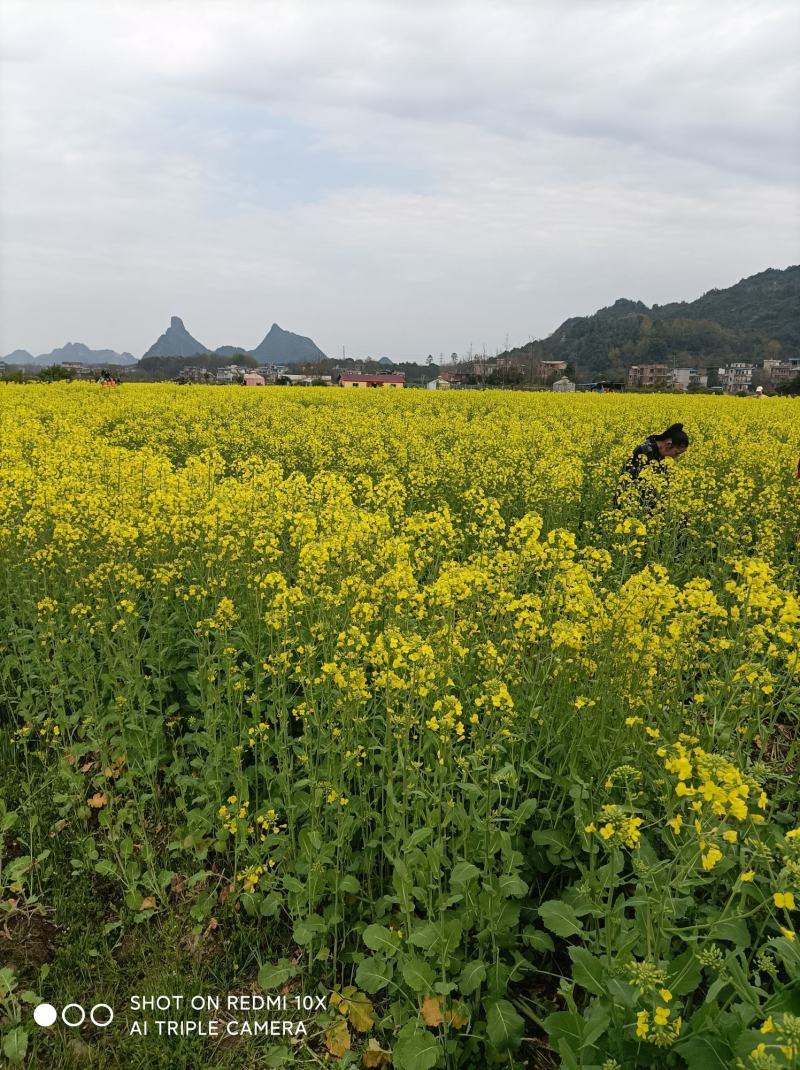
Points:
x=677 y=435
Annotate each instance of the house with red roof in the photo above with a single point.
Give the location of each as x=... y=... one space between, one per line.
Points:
x=353 y=379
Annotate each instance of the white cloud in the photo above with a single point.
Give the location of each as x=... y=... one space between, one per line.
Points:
x=398 y=177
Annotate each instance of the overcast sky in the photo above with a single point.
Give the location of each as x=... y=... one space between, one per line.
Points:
x=397 y=178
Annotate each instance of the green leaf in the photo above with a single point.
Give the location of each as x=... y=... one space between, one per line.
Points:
x=379 y=938
x=471 y=978
x=373 y=974
x=566 y=1026
x=525 y=811
x=621 y=992
x=403 y=887
x=560 y=918
x=538 y=940
x=424 y=936
x=418 y=837
x=276 y=1057
x=596 y=1024
x=15 y=1044
x=418 y=1052
x=512 y=886
x=503 y=1025
x=684 y=974
x=273 y=976
x=733 y=929
x=451 y=932
x=307 y=928
x=270 y=905
x=417 y=974
x=706 y=1051
x=587 y=971
x=464 y=873
x=349 y=884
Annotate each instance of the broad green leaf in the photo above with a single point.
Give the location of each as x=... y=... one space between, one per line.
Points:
x=560 y=918
x=705 y=1051
x=512 y=886
x=307 y=928
x=452 y=930
x=471 y=978
x=464 y=873
x=418 y=1052
x=418 y=837
x=373 y=974
x=596 y=1024
x=15 y=1045
x=379 y=938
x=684 y=974
x=525 y=811
x=424 y=936
x=566 y=1026
x=270 y=905
x=503 y=1025
x=538 y=940
x=733 y=929
x=274 y=976
x=417 y=974
x=587 y=971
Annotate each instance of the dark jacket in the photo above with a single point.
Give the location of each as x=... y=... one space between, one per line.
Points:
x=646 y=453
x=642 y=457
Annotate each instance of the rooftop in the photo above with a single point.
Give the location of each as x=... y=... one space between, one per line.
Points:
x=354 y=377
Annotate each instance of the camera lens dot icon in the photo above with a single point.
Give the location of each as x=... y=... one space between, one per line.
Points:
x=45 y=1015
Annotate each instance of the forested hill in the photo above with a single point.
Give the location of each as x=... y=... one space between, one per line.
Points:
x=757 y=317
x=768 y=303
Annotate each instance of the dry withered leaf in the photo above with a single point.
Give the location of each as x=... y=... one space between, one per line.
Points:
x=375 y=1055
x=337 y=1039
x=458 y=1016
x=431 y=1011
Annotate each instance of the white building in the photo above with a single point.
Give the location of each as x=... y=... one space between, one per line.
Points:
x=231 y=373
x=563 y=385
x=736 y=378
x=683 y=378
x=439 y=384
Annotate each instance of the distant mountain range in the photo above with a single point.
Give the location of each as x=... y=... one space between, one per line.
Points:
x=758 y=316
x=277 y=347
x=72 y=352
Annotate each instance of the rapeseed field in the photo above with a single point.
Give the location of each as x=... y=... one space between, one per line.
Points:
x=378 y=698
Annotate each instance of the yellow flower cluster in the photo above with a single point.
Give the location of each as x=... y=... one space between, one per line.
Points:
x=234 y=814
x=658 y=1027
x=251 y=875
x=618 y=826
x=713 y=783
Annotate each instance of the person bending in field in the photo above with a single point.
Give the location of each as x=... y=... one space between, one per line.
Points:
x=650 y=455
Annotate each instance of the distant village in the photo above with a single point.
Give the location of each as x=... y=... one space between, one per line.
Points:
x=515 y=372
